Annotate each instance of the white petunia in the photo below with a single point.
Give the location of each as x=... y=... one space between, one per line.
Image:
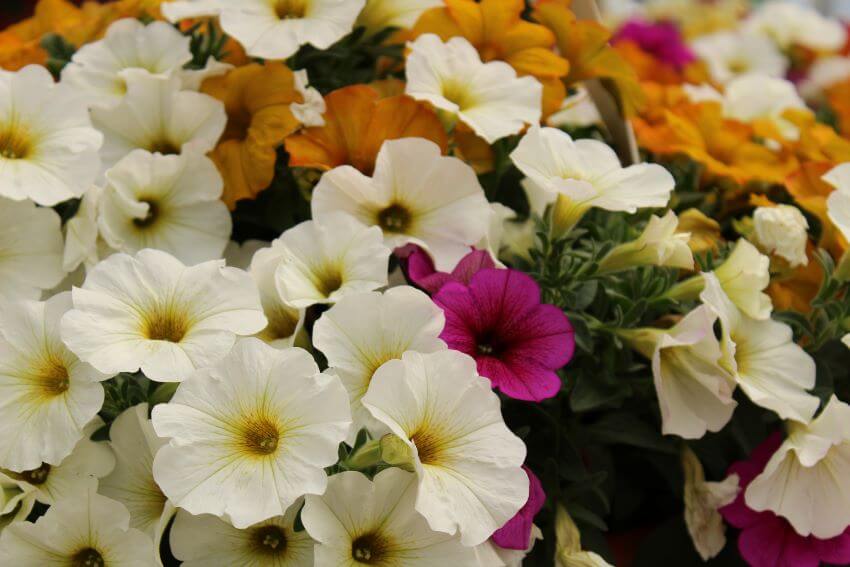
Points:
x=322 y=261
x=763 y=358
x=48 y=148
x=702 y=500
x=207 y=541
x=48 y=394
x=96 y=69
x=251 y=434
x=151 y=312
x=783 y=230
x=167 y=202
x=838 y=202
x=789 y=24
x=285 y=322
x=83 y=245
x=583 y=174
x=759 y=97
x=744 y=276
x=729 y=54
x=88 y=462
x=415 y=196
x=358 y=521
x=84 y=529
x=487 y=97
x=378 y=15
x=694 y=391
x=805 y=481
x=568 y=549
x=275 y=29
x=131 y=483
x=30 y=249
x=15 y=502
x=365 y=330
x=824 y=73
x=467 y=461
x=310 y=112
x=155 y=115
x=658 y=245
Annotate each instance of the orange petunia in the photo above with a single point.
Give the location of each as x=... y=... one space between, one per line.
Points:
x=357 y=122
x=796 y=289
x=498 y=32
x=652 y=70
x=839 y=99
x=585 y=45
x=725 y=147
x=257 y=99
x=811 y=192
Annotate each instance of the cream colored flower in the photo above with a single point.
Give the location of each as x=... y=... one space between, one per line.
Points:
x=658 y=245
x=83 y=245
x=789 y=24
x=415 y=196
x=365 y=330
x=468 y=463
x=208 y=541
x=378 y=15
x=309 y=113
x=759 y=97
x=729 y=54
x=838 y=202
x=702 y=500
x=285 y=322
x=805 y=481
x=568 y=551
x=48 y=148
x=783 y=230
x=151 y=312
x=324 y=260
x=250 y=435
x=487 y=97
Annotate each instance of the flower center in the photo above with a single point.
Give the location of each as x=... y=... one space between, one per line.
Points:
x=165 y=324
x=485 y=349
x=282 y=324
x=14 y=144
x=458 y=92
x=290 y=9
x=739 y=66
x=164 y=146
x=260 y=436
x=150 y=217
x=35 y=477
x=369 y=548
x=53 y=378
x=330 y=280
x=269 y=540
x=88 y=557
x=394 y=218
x=428 y=445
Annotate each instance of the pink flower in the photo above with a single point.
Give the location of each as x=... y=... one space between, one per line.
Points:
x=499 y=321
x=420 y=268
x=768 y=540
x=516 y=533
x=660 y=39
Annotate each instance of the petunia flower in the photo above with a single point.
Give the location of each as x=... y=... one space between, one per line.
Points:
x=421 y=272
x=170 y=203
x=250 y=435
x=285 y=322
x=30 y=249
x=767 y=540
x=157 y=116
x=357 y=122
x=763 y=101
x=205 y=540
x=83 y=529
x=49 y=394
x=498 y=31
x=322 y=262
x=378 y=15
x=838 y=201
x=488 y=97
x=662 y=39
x=259 y=102
x=449 y=427
x=135 y=443
x=151 y=312
x=517 y=342
x=48 y=147
x=789 y=24
x=275 y=29
x=358 y=521
x=365 y=330
x=415 y=196
x=730 y=53
x=516 y=533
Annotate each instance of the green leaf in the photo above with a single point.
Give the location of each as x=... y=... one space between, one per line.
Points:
x=627 y=429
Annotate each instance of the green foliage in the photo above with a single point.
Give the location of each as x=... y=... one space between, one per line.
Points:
x=59 y=53
x=206 y=41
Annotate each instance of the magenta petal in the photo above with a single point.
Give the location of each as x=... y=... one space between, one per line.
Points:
x=420 y=271
x=471 y=264
x=516 y=533
x=835 y=550
x=549 y=338
x=530 y=382
x=509 y=294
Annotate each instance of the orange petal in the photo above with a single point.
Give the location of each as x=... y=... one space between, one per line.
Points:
x=247 y=169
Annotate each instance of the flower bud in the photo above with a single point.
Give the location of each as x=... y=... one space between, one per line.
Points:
x=783 y=231
x=658 y=245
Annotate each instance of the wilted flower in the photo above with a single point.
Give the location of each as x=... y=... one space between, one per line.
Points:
x=782 y=230
x=702 y=501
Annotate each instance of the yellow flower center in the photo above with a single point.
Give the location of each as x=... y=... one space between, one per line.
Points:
x=88 y=557
x=329 y=280
x=165 y=323
x=282 y=323
x=739 y=66
x=52 y=378
x=259 y=436
x=458 y=93
x=429 y=444
x=269 y=540
x=36 y=477
x=14 y=143
x=290 y=9
x=371 y=548
x=164 y=146
x=395 y=218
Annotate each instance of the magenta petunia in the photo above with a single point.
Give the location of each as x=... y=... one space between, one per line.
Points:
x=421 y=271
x=661 y=39
x=516 y=533
x=518 y=342
x=768 y=540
